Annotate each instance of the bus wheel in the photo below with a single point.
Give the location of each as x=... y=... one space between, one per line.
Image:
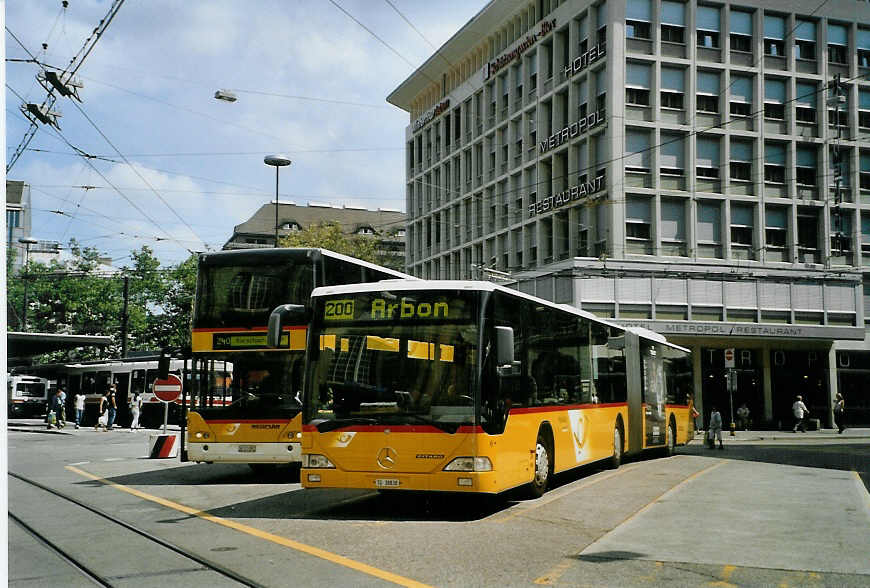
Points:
x=616 y=458
x=672 y=440
x=543 y=467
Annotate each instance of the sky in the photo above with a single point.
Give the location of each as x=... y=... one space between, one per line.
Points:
x=186 y=168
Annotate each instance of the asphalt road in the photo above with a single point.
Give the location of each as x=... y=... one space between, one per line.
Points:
x=743 y=516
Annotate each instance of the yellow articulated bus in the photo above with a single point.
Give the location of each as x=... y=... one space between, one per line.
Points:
x=236 y=291
x=473 y=387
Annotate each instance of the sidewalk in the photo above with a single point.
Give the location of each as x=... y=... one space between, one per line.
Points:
x=858 y=433
x=39 y=426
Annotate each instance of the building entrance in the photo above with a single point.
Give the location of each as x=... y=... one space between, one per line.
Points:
x=799 y=372
x=853 y=382
x=748 y=387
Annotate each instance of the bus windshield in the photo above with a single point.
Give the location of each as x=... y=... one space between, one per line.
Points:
x=242 y=295
x=30 y=389
x=389 y=359
x=259 y=384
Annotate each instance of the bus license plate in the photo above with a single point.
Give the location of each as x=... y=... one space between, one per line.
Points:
x=386 y=482
x=247 y=449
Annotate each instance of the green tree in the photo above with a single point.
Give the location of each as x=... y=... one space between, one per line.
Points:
x=328 y=235
x=83 y=297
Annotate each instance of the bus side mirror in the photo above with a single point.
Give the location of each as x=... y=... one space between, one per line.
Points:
x=504 y=345
x=163 y=367
x=286 y=314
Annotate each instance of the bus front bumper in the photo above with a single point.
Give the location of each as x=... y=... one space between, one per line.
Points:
x=479 y=482
x=285 y=452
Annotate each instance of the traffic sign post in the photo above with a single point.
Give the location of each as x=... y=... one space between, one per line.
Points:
x=167 y=390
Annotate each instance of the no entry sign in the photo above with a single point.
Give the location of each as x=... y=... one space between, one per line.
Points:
x=168 y=390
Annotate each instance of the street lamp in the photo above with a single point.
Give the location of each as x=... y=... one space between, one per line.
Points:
x=278 y=161
x=27 y=242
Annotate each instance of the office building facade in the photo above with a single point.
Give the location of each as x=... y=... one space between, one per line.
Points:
x=701 y=169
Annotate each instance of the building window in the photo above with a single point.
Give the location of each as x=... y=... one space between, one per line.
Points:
x=865 y=170
x=863 y=48
x=708 y=27
x=807 y=229
x=741 y=225
x=673 y=22
x=672 y=155
x=838 y=42
x=805 y=162
x=864 y=108
x=775 y=226
x=672 y=85
x=635 y=29
x=601 y=89
x=774 y=163
x=741 y=31
x=637 y=151
x=638 y=14
x=805 y=40
x=637 y=84
x=774 y=99
x=637 y=218
x=841 y=231
x=839 y=115
x=709 y=223
x=707 y=158
x=741 y=160
x=708 y=92
x=741 y=96
x=774 y=35
x=805 y=103
x=839 y=160
x=672 y=228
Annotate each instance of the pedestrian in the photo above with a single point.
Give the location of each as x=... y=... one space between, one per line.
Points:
x=840 y=413
x=80 y=407
x=54 y=410
x=800 y=411
x=715 y=429
x=111 y=406
x=743 y=417
x=103 y=412
x=61 y=416
x=135 y=408
x=693 y=413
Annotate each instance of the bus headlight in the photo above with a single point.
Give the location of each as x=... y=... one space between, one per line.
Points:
x=469 y=464
x=201 y=435
x=317 y=461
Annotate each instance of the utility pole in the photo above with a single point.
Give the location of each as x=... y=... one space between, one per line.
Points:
x=125 y=317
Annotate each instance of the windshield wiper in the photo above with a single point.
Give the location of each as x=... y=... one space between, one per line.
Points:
x=446 y=427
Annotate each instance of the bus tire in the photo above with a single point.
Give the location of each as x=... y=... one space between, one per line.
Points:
x=671 y=446
x=543 y=466
x=616 y=457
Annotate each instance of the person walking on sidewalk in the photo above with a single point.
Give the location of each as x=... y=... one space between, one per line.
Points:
x=135 y=408
x=840 y=413
x=112 y=406
x=743 y=417
x=800 y=411
x=80 y=407
x=715 y=429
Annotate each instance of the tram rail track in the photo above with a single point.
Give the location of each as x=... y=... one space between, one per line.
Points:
x=95 y=576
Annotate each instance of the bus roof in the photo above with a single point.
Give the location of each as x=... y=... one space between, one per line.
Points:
x=483 y=286
x=267 y=254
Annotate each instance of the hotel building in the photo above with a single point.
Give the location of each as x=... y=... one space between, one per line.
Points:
x=701 y=169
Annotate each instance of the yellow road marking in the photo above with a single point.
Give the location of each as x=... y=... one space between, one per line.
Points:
x=726 y=572
x=518 y=510
x=553 y=575
x=316 y=552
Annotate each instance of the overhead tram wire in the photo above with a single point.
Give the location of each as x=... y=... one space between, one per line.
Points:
x=117 y=4
x=136 y=171
x=105 y=179
x=76 y=61
x=103 y=135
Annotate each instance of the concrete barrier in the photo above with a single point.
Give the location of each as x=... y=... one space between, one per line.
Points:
x=162 y=446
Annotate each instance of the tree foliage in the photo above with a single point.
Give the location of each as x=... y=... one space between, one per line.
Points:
x=81 y=296
x=329 y=235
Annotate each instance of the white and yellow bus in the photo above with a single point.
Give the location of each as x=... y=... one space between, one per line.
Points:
x=473 y=387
